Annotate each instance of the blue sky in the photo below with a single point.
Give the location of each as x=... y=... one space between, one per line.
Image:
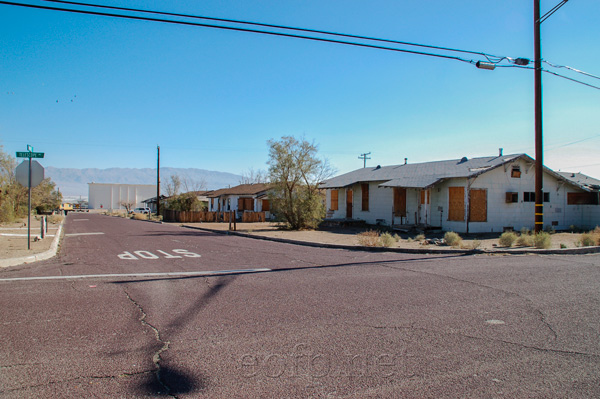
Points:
x=98 y=92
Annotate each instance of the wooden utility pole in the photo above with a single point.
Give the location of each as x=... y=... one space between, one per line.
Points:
x=364 y=158
x=158 y=182
x=539 y=149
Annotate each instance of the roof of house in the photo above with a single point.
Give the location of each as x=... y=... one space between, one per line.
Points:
x=421 y=175
x=242 y=189
x=582 y=180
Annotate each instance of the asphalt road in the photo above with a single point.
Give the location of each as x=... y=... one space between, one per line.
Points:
x=131 y=309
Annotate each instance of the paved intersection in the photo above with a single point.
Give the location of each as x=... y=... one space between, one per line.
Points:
x=134 y=309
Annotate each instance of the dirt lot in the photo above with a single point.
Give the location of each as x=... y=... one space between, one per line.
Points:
x=13 y=238
x=349 y=236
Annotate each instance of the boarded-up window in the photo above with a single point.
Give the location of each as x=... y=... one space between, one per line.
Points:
x=512 y=197
x=365 y=196
x=582 y=198
x=399 y=202
x=456 y=204
x=245 y=204
x=515 y=172
x=478 y=205
x=425 y=197
x=266 y=205
x=334 y=200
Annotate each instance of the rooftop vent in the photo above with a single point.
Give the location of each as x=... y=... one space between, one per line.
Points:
x=500 y=152
x=464 y=159
x=378 y=167
x=405 y=161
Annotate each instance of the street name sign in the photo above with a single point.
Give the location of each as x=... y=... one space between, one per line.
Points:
x=30 y=154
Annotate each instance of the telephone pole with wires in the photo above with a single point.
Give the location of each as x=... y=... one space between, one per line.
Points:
x=364 y=157
x=539 y=148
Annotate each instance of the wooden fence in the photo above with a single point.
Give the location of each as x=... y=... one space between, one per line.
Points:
x=196 y=217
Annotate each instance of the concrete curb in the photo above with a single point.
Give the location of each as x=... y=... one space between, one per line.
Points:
x=429 y=251
x=37 y=257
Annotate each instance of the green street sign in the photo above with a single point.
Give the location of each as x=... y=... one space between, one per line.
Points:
x=30 y=155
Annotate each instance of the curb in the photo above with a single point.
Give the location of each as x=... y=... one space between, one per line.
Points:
x=50 y=253
x=429 y=251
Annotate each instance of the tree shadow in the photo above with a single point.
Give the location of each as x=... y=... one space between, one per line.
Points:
x=168 y=381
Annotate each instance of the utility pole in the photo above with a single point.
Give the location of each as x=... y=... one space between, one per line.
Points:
x=364 y=158
x=539 y=149
x=158 y=181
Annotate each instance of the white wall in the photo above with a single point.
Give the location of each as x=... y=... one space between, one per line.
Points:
x=500 y=214
x=108 y=196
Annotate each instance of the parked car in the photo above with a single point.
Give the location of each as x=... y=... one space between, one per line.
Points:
x=141 y=210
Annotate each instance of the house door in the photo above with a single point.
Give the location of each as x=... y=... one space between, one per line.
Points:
x=349 y=203
x=424 y=206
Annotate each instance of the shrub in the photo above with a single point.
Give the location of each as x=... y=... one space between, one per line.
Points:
x=587 y=239
x=542 y=240
x=140 y=216
x=525 y=241
x=507 y=238
x=386 y=240
x=525 y=231
x=475 y=244
x=420 y=237
x=453 y=239
x=368 y=238
x=397 y=237
x=562 y=246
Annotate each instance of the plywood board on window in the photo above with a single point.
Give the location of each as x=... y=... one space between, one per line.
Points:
x=478 y=205
x=399 y=202
x=456 y=204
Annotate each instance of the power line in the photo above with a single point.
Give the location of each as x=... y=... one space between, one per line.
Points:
x=489 y=57
x=237 y=29
x=571 y=69
x=571 y=79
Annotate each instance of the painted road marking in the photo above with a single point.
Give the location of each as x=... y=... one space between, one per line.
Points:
x=82 y=234
x=165 y=274
x=149 y=255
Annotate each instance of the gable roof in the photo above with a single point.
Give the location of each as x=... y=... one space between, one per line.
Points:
x=582 y=180
x=242 y=189
x=421 y=175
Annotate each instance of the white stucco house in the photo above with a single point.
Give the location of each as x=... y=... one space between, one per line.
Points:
x=488 y=194
x=110 y=196
x=245 y=197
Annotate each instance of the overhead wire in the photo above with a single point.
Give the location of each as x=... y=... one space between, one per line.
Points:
x=489 y=57
x=238 y=29
x=496 y=60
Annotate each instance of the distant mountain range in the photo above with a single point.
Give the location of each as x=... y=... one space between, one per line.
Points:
x=74 y=182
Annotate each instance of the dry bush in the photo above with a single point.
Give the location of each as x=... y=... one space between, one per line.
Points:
x=542 y=240
x=453 y=239
x=368 y=238
x=587 y=239
x=525 y=240
x=507 y=239
x=420 y=237
x=140 y=216
x=386 y=240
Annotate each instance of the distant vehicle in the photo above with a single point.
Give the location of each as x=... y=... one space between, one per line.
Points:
x=66 y=206
x=141 y=210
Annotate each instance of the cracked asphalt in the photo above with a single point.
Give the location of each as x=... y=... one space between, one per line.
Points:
x=306 y=323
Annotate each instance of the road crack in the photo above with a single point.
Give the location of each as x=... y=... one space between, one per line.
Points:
x=156 y=357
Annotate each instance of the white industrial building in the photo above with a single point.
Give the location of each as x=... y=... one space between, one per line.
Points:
x=111 y=196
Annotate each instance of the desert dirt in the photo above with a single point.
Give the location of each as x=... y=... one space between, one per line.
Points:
x=13 y=238
x=349 y=236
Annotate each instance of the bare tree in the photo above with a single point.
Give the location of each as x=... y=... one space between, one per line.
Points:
x=173 y=185
x=127 y=204
x=193 y=185
x=252 y=177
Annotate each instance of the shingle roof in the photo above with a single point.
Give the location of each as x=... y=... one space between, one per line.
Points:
x=242 y=189
x=582 y=180
x=420 y=175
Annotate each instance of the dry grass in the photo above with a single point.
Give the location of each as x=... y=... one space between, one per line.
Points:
x=368 y=238
x=507 y=239
x=140 y=216
x=453 y=239
x=542 y=240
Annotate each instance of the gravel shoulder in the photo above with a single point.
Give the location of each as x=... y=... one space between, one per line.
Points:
x=13 y=238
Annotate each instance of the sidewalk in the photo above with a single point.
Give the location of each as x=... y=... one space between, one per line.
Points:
x=13 y=243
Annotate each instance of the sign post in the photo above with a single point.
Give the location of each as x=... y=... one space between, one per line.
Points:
x=35 y=175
